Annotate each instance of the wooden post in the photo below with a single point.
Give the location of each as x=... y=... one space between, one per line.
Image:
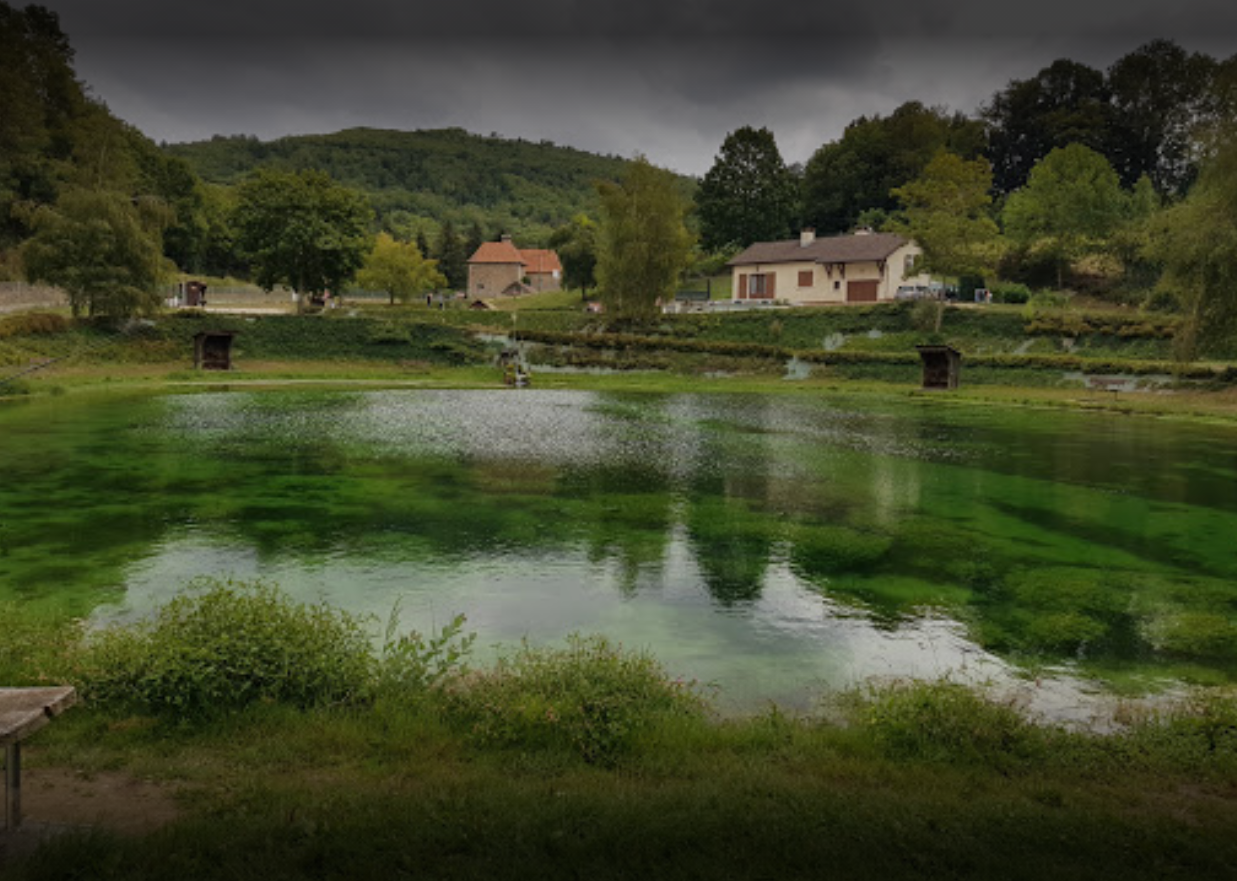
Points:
x=12 y=786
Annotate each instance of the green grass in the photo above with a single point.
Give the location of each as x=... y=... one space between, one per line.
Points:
x=567 y=301
x=497 y=774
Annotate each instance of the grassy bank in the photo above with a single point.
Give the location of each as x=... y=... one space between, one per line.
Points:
x=1218 y=403
x=1002 y=346
x=319 y=757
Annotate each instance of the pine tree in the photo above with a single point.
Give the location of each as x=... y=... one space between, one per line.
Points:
x=748 y=195
x=452 y=261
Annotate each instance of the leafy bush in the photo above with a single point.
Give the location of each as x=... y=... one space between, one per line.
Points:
x=1011 y=292
x=226 y=645
x=1163 y=301
x=1199 y=734
x=33 y=324
x=413 y=663
x=591 y=697
x=926 y=315
x=945 y=722
x=1048 y=300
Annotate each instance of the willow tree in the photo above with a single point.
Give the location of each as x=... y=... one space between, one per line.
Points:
x=643 y=242
x=1196 y=241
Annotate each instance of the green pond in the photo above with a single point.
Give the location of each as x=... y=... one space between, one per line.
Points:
x=779 y=546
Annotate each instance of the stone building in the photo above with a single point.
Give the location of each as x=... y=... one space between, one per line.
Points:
x=499 y=268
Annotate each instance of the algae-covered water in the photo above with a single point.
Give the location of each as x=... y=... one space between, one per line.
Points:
x=778 y=546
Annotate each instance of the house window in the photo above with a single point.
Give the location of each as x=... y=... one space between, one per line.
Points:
x=805 y=278
x=908 y=266
x=837 y=286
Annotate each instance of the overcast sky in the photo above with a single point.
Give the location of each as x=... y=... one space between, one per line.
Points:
x=666 y=78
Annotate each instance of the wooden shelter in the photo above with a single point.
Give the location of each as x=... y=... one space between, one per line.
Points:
x=212 y=350
x=942 y=365
x=195 y=293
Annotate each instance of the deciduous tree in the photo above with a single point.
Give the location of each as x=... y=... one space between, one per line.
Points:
x=1065 y=103
x=576 y=244
x=1196 y=241
x=748 y=195
x=946 y=211
x=1160 y=95
x=643 y=242
x=104 y=250
x=1071 y=204
x=301 y=230
x=844 y=179
x=400 y=269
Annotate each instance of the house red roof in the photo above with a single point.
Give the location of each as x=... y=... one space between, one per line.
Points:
x=835 y=249
x=496 y=252
x=538 y=260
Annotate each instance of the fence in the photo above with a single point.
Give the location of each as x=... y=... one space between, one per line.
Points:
x=15 y=295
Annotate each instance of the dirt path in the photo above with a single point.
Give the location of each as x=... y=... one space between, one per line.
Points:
x=59 y=799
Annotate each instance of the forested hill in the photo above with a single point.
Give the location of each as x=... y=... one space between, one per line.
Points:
x=419 y=179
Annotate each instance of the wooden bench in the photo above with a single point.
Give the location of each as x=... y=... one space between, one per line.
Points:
x=24 y=711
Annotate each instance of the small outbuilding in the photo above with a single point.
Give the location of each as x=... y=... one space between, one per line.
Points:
x=212 y=350
x=942 y=365
x=195 y=293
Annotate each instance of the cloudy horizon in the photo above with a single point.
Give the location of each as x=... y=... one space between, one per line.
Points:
x=668 y=81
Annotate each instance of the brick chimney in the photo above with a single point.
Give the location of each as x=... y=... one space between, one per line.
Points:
x=806 y=237
x=506 y=238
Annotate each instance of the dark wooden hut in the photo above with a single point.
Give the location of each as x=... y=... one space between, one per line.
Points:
x=195 y=293
x=942 y=366
x=212 y=350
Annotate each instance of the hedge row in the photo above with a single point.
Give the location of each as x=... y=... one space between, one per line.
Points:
x=1062 y=363
x=1080 y=324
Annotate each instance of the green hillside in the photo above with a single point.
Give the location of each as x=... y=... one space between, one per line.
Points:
x=419 y=179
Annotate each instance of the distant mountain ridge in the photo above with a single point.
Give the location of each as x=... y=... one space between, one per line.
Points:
x=419 y=179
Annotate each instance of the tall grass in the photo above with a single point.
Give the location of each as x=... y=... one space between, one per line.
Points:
x=591 y=697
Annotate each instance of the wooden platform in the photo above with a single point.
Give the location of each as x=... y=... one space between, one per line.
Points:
x=23 y=711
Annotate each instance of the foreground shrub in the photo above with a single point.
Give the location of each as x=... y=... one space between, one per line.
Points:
x=946 y=722
x=226 y=645
x=412 y=664
x=1196 y=735
x=591 y=697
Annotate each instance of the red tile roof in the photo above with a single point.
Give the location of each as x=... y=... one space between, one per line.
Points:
x=836 y=249
x=537 y=260
x=496 y=252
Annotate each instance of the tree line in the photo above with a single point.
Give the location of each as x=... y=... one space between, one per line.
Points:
x=1071 y=174
x=1073 y=178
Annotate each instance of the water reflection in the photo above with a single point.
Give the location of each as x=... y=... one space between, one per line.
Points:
x=772 y=544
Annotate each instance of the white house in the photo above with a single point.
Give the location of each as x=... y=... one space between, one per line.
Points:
x=865 y=267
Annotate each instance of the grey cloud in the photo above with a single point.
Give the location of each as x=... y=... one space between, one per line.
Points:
x=663 y=77
x=535 y=20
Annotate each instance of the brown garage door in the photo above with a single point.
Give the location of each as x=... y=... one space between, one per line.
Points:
x=861 y=291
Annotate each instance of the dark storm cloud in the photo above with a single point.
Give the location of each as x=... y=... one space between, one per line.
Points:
x=661 y=77
x=691 y=20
